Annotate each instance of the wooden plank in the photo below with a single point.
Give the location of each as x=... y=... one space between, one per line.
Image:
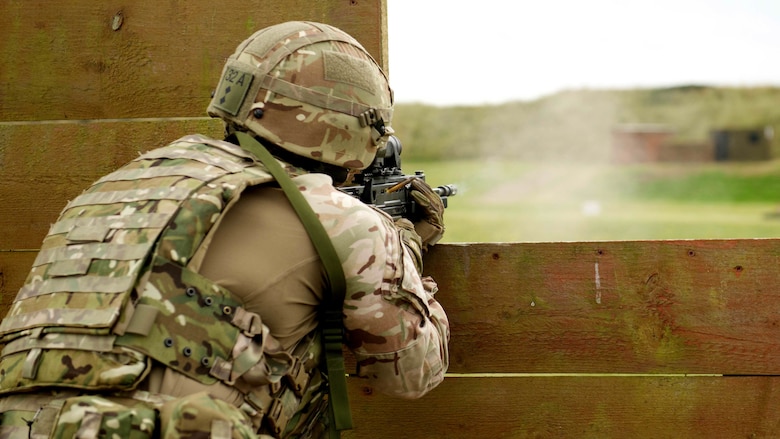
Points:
x=574 y=407
x=116 y=59
x=645 y=306
x=43 y=165
x=14 y=267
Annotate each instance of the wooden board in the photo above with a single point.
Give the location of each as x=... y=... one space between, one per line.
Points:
x=86 y=60
x=635 y=307
x=43 y=165
x=574 y=407
x=14 y=266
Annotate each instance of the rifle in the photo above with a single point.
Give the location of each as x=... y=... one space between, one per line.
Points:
x=380 y=184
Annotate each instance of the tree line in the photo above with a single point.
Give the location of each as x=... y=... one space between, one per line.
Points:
x=576 y=125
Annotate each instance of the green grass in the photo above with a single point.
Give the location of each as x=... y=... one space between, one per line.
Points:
x=549 y=177
x=509 y=201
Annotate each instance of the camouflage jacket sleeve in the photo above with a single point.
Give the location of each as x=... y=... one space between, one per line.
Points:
x=396 y=329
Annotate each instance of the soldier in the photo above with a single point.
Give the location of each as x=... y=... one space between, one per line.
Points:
x=192 y=290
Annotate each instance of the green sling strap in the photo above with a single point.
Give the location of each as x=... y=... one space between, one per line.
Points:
x=332 y=324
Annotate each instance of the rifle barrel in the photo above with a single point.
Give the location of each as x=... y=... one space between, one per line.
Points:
x=446 y=191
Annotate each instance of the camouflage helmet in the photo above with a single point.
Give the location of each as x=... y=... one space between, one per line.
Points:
x=309 y=88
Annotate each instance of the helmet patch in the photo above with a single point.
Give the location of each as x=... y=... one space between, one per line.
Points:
x=232 y=90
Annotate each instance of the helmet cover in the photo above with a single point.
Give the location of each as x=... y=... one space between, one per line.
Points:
x=309 y=88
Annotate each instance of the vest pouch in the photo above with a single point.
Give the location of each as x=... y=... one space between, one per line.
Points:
x=188 y=320
x=70 y=360
x=92 y=416
x=201 y=415
x=310 y=418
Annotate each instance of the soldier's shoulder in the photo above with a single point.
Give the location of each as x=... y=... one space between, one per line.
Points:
x=338 y=210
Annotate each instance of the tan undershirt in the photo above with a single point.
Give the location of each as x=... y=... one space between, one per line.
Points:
x=262 y=254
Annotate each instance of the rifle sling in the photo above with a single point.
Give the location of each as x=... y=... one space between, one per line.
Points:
x=332 y=323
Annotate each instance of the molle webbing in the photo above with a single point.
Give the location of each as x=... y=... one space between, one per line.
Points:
x=92 y=257
x=150 y=216
x=184 y=321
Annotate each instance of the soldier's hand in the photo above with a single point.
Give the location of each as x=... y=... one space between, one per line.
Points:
x=430 y=225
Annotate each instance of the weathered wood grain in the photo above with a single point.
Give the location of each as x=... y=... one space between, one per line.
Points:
x=14 y=266
x=637 y=307
x=575 y=407
x=43 y=165
x=87 y=60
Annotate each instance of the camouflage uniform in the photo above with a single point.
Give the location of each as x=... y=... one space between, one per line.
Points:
x=394 y=326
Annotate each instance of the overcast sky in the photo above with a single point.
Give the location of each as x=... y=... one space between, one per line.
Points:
x=447 y=52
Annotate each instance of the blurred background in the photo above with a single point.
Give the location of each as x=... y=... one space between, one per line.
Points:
x=602 y=120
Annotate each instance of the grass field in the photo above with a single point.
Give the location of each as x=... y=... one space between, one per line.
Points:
x=506 y=201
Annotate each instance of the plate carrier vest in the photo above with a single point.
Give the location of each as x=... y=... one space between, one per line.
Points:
x=113 y=288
